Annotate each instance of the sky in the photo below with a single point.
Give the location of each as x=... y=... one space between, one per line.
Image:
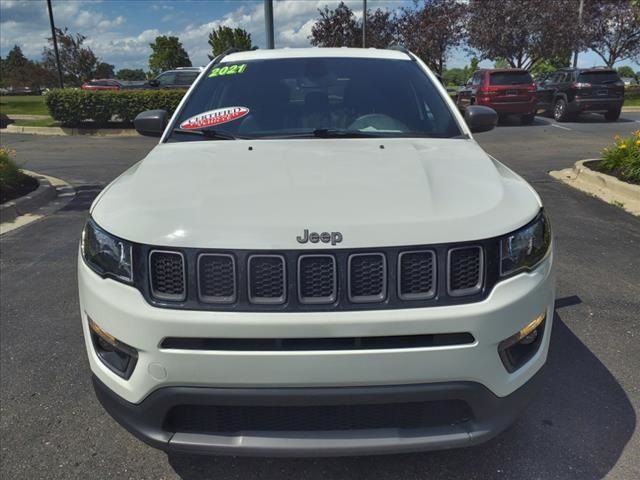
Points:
x=119 y=31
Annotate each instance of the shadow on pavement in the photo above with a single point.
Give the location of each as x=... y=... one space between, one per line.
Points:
x=576 y=427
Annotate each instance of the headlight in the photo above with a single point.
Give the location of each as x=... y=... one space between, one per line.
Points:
x=107 y=255
x=525 y=248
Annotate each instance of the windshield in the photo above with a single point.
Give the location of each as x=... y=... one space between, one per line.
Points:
x=510 y=78
x=299 y=96
x=601 y=76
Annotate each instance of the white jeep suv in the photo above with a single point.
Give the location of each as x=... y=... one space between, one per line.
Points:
x=316 y=259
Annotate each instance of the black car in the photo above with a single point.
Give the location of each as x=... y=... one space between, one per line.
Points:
x=179 y=78
x=569 y=91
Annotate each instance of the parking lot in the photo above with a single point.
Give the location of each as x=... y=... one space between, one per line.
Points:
x=582 y=424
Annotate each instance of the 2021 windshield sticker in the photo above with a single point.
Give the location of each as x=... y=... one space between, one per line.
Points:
x=214 y=117
x=228 y=70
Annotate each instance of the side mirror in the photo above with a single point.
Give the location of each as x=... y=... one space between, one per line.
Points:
x=151 y=123
x=480 y=119
x=153 y=83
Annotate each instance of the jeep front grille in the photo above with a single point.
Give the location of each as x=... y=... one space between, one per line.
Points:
x=267 y=279
x=465 y=266
x=167 y=273
x=216 y=278
x=317 y=279
x=367 y=277
x=321 y=280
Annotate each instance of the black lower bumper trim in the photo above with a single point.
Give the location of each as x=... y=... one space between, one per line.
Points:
x=148 y=420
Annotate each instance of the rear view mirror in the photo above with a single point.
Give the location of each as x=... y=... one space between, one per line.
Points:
x=153 y=83
x=480 y=119
x=151 y=123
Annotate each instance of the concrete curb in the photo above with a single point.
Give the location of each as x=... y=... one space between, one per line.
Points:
x=45 y=192
x=605 y=187
x=63 y=131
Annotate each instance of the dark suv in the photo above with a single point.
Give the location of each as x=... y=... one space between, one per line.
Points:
x=507 y=91
x=569 y=91
x=180 y=78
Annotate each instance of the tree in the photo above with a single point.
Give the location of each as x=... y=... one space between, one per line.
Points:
x=167 y=54
x=18 y=71
x=131 y=74
x=433 y=29
x=523 y=32
x=613 y=27
x=500 y=62
x=78 y=63
x=455 y=76
x=224 y=38
x=104 y=70
x=626 y=71
x=341 y=28
x=336 y=28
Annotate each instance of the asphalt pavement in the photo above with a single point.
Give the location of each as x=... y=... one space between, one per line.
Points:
x=582 y=425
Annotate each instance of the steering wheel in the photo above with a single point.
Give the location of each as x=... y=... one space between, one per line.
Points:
x=378 y=121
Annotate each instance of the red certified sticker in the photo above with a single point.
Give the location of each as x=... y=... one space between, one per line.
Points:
x=214 y=117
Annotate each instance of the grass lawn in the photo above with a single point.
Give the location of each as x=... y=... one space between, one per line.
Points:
x=632 y=102
x=42 y=122
x=23 y=105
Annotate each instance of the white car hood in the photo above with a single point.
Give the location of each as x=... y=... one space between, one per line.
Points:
x=262 y=194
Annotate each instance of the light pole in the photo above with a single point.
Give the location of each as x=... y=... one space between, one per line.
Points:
x=268 y=22
x=55 y=43
x=575 y=54
x=364 y=23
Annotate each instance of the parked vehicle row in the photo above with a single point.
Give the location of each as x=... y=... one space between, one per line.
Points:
x=563 y=94
x=181 y=77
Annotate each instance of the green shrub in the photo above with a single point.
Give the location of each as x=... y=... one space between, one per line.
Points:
x=623 y=160
x=72 y=107
x=13 y=183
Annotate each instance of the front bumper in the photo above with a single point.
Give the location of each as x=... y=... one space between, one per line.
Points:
x=164 y=378
x=489 y=415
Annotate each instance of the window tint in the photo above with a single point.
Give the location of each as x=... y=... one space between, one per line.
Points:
x=300 y=95
x=477 y=79
x=510 y=78
x=186 y=78
x=168 y=78
x=599 y=76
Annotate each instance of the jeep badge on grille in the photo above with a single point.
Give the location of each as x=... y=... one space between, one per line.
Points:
x=315 y=237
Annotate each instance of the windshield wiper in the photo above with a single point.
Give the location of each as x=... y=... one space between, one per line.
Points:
x=208 y=133
x=334 y=133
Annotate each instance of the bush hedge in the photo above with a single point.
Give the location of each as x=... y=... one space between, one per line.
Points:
x=13 y=183
x=72 y=107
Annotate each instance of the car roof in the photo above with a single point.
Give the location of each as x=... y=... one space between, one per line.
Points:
x=499 y=70
x=316 y=52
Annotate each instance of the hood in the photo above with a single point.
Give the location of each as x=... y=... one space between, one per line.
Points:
x=375 y=192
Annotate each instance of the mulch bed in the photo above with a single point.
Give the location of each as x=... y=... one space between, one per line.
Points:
x=24 y=184
x=595 y=165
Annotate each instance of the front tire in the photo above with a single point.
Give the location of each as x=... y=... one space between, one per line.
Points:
x=560 y=110
x=612 y=115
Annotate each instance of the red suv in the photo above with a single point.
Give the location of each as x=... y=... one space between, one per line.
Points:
x=507 y=91
x=102 y=84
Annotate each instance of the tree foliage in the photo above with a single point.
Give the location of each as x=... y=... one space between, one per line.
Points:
x=341 y=28
x=433 y=28
x=78 y=63
x=626 y=71
x=104 y=70
x=613 y=29
x=167 y=54
x=223 y=38
x=130 y=74
x=524 y=32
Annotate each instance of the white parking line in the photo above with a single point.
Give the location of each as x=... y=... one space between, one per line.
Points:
x=560 y=126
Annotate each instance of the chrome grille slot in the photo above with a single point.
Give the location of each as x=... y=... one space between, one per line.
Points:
x=317 y=279
x=167 y=275
x=217 y=278
x=367 y=277
x=267 y=279
x=417 y=275
x=465 y=268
